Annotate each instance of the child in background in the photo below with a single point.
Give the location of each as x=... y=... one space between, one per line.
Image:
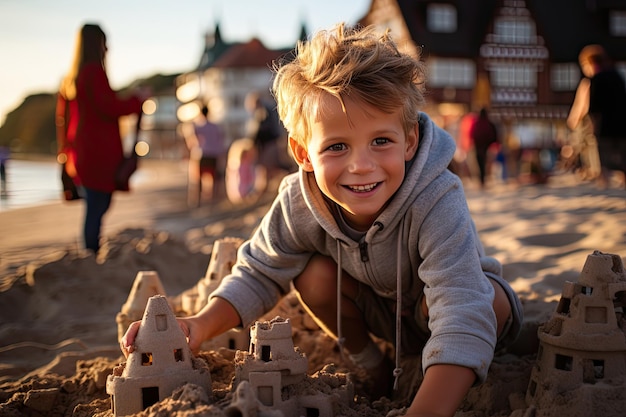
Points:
x=375 y=219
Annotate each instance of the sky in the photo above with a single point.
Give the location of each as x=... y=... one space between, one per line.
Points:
x=144 y=37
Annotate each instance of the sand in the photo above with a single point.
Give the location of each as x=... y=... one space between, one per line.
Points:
x=58 y=335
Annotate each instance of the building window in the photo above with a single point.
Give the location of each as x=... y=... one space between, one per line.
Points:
x=617 y=23
x=441 y=18
x=565 y=77
x=457 y=73
x=514 y=75
x=514 y=31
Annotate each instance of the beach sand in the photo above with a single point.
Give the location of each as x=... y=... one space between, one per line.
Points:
x=58 y=334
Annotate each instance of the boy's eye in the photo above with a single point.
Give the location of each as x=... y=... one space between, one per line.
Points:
x=337 y=147
x=381 y=141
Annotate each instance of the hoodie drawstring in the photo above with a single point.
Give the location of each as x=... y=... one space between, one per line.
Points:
x=340 y=338
x=398 y=369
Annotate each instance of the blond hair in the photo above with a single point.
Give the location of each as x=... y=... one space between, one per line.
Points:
x=347 y=61
x=90 y=46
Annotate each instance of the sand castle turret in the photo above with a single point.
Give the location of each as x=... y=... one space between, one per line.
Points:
x=583 y=345
x=223 y=257
x=272 y=375
x=160 y=363
x=147 y=284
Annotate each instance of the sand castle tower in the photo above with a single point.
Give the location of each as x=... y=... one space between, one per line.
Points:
x=583 y=345
x=223 y=257
x=271 y=371
x=146 y=285
x=161 y=362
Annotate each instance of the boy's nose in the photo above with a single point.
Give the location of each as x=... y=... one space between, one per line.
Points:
x=361 y=161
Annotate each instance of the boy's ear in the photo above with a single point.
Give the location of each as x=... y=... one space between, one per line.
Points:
x=300 y=154
x=412 y=140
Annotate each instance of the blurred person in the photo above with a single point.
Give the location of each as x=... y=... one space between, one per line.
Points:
x=602 y=96
x=463 y=159
x=484 y=135
x=581 y=152
x=207 y=151
x=5 y=154
x=266 y=131
x=88 y=113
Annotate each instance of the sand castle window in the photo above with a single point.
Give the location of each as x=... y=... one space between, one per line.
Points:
x=146 y=359
x=563 y=307
x=312 y=412
x=266 y=353
x=178 y=355
x=161 y=322
x=619 y=301
x=596 y=315
x=232 y=344
x=563 y=362
x=149 y=396
x=593 y=369
x=586 y=290
x=266 y=395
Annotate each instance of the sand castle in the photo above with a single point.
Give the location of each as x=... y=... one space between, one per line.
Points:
x=270 y=374
x=189 y=302
x=271 y=377
x=583 y=346
x=160 y=363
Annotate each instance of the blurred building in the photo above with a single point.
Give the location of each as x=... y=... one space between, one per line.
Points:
x=226 y=74
x=519 y=58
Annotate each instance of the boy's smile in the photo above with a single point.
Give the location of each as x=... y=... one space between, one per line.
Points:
x=357 y=156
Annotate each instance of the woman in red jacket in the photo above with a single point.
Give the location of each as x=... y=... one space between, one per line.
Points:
x=94 y=110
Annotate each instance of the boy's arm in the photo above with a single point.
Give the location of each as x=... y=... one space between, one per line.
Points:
x=441 y=391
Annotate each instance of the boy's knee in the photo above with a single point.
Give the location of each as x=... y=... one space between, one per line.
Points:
x=317 y=278
x=501 y=306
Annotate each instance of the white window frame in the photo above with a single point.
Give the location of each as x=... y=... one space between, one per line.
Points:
x=617 y=22
x=564 y=77
x=514 y=30
x=451 y=72
x=441 y=18
x=514 y=75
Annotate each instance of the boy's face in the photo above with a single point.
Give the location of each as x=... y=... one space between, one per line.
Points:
x=357 y=157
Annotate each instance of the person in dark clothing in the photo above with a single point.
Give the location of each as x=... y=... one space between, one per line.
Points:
x=607 y=109
x=483 y=134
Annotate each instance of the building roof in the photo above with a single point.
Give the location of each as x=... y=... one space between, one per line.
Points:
x=252 y=54
x=214 y=48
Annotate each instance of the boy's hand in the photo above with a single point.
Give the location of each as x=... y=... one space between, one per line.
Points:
x=127 y=344
x=441 y=391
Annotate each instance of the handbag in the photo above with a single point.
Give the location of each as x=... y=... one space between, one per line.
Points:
x=70 y=190
x=129 y=163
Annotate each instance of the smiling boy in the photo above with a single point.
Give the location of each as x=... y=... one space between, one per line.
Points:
x=374 y=219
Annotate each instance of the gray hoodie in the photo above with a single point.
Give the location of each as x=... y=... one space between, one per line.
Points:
x=440 y=254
